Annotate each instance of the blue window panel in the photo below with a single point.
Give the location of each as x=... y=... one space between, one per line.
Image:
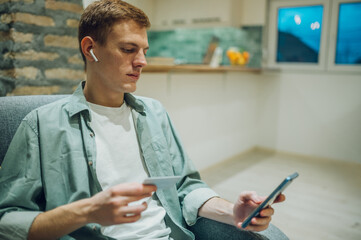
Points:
x=299 y=34
x=348 y=46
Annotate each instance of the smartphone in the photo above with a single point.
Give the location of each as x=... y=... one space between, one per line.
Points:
x=270 y=199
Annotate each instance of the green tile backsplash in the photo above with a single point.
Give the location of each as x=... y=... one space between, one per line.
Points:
x=190 y=45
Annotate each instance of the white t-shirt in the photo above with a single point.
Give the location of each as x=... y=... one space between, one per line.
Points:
x=119 y=161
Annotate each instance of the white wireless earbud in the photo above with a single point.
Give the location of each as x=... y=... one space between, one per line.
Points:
x=93 y=55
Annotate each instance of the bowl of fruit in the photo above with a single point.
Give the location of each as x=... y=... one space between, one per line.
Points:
x=237 y=57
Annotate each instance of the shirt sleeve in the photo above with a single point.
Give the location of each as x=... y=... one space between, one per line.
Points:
x=193 y=201
x=192 y=191
x=15 y=225
x=20 y=184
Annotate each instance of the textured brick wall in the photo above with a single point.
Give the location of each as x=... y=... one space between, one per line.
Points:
x=38 y=46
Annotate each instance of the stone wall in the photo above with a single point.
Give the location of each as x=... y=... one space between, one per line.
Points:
x=39 y=47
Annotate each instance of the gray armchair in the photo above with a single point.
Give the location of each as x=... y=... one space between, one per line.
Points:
x=14 y=109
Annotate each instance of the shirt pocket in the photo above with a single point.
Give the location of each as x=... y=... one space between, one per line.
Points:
x=160 y=155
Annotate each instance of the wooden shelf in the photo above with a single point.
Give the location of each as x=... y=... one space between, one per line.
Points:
x=197 y=68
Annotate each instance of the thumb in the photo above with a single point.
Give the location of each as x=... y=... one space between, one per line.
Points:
x=260 y=200
x=251 y=196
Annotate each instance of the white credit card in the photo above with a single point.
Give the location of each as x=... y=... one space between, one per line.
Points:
x=162 y=182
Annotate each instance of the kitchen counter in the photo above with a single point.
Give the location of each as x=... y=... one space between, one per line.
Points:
x=197 y=68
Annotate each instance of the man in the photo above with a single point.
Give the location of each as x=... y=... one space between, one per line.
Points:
x=74 y=168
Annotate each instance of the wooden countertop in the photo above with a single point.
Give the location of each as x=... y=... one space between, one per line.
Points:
x=197 y=68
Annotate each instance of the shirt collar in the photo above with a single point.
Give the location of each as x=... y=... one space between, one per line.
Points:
x=79 y=104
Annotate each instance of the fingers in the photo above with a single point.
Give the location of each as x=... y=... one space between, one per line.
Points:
x=132 y=210
x=130 y=213
x=127 y=214
x=113 y=206
x=123 y=194
x=247 y=202
x=280 y=198
x=132 y=189
x=261 y=222
x=266 y=212
x=251 y=196
x=120 y=212
x=258 y=223
x=125 y=200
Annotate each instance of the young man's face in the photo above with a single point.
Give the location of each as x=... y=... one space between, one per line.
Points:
x=122 y=58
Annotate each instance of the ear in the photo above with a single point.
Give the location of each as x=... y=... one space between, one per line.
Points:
x=86 y=44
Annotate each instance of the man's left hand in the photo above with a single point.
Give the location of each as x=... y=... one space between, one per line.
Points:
x=246 y=203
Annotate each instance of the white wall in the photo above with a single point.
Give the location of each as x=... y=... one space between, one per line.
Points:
x=215 y=114
x=221 y=115
x=316 y=114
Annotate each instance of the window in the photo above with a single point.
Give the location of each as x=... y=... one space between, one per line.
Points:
x=348 y=43
x=345 y=40
x=303 y=35
x=299 y=34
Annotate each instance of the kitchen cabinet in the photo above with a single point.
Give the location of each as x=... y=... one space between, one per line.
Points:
x=171 y=14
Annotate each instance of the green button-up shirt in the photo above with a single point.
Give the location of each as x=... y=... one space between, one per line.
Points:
x=51 y=161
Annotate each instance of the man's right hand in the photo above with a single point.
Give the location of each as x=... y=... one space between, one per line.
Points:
x=111 y=206
x=108 y=207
